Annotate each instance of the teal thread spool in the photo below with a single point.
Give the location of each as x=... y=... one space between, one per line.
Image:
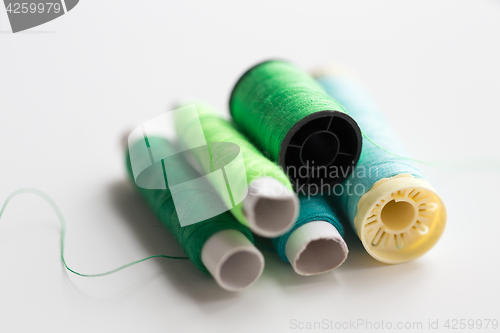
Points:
x=220 y=245
x=395 y=212
x=269 y=207
x=315 y=245
x=283 y=109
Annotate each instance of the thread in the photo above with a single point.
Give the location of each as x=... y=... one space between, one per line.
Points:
x=191 y=237
x=312 y=208
x=395 y=211
x=270 y=207
x=62 y=221
x=291 y=118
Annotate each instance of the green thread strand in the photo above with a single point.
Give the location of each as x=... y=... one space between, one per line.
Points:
x=271 y=98
x=192 y=237
x=217 y=129
x=62 y=221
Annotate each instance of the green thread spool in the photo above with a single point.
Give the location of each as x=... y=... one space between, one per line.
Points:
x=268 y=205
x=287 y=113
x=315 y=243
x=219 y=245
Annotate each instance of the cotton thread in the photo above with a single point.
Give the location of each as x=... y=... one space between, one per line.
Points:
x=62 y=221
x=387 y=162
x=217 y=130
x=284 y=110
x=194 y=252
x=191 y=237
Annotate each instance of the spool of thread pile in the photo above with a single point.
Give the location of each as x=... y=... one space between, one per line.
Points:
x=284 y=110
x=314 y=245
x=396 y=213
x=219 y=245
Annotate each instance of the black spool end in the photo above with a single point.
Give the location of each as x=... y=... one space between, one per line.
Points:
x=322 y=148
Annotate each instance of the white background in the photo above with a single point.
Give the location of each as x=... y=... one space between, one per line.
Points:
x=69 y=89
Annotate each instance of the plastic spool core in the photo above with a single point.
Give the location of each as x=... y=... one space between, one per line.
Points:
x=400 y=218
x=320 y=149
x=398 y=215
x=326 y=143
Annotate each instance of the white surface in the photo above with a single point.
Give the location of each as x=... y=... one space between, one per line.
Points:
x=67 y=96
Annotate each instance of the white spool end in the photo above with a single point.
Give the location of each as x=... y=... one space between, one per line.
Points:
x=271 y=209
x=400 y=218
x=233 y=261
x=315 y=248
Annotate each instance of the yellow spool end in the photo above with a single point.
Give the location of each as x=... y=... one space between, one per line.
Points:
x=400 y=218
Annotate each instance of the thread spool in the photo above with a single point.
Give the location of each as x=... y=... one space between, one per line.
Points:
x=219 y=246
x=283 y=109
x=315 y=245
x=398 y=215
x=262 y=196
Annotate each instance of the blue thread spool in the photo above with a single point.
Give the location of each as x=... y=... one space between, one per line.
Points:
x=396 y=213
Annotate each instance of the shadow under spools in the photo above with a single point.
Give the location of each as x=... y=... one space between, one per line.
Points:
x=396 y=213
x=284 y=110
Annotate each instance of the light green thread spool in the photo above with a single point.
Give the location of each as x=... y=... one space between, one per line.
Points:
x=269 y=207
x=287 y=113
